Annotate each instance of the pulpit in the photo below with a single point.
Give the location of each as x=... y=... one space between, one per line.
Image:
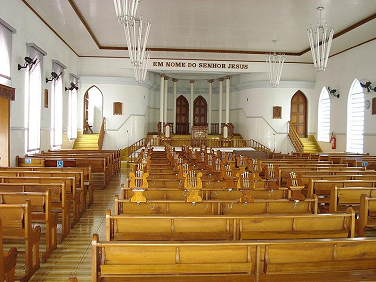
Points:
x=167 y=129
x=199 y=135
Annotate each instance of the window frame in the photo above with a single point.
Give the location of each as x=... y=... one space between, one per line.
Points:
x=323 y=118
x=350 y=121
x=33 y=104
x=7 y=31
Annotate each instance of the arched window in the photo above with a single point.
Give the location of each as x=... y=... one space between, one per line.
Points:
x=323 y=125
x=355 y=118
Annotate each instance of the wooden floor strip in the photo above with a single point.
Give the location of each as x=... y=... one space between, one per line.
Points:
x=73 y=256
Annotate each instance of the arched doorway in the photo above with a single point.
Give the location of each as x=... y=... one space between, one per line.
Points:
x=298 y=117
x=200 y=111
x=182 y=115
x=93 y=110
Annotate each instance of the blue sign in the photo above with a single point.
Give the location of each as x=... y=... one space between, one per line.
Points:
x=60 y=163
x=28 y=161
x=364 y=163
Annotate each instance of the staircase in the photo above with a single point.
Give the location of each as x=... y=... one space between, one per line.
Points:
x=86 y=142
x=310 y=145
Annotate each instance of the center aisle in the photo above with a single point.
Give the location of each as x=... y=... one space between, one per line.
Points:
x=73 y=256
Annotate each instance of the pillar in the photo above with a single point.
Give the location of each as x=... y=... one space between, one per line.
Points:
x=174 y=80
x=161 y=100
x=220 y=102
x=165 y=99
x=227 y=99
x=191 y=106
x=210 y=104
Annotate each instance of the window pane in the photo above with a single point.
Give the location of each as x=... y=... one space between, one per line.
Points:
x=355 y=119
x=323 y=132
x=5 y=51
x=35 y=90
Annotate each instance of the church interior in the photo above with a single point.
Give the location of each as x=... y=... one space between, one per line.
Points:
x=172 y=140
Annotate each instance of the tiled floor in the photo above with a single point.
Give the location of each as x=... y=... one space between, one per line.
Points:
x=73 y=256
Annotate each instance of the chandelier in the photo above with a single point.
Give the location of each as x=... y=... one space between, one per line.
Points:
x=275 y=63
x=136 y=35
x=320 y=40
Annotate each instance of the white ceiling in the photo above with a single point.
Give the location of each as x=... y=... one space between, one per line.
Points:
x=236 y=25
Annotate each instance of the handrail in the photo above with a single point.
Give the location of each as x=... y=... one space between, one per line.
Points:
x=295 y=139
x=101 y=134
x=129 y=152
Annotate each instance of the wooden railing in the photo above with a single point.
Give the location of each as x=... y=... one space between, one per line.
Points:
x=129 y=153
x=214 y=128
x=295 y=140
x=101 y=134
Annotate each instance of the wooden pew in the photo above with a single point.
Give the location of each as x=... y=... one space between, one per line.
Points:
x=259 y=206
x=260 y=227
x=121 y=259
x=41 y=213
x=73 y=195
x=17 y=226
x=206 y=194
x=101 y=175
x=281 y=260
x=308 y=206
x=59 y=201
x=284 y=172
x=323 y=187
x=7 y=261
x=342 y=175
x=82 y=174
x=293 y=226
x=343 y=197
x=367 y=214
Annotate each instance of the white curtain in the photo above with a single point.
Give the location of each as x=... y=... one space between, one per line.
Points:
x=34 y=100
x=72 y=120
x=57 y=107
x=5 y=51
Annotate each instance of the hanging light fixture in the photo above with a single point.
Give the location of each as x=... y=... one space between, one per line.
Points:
x=320 y=40
x=136 y=35
x=126 y=10
x=275 y=63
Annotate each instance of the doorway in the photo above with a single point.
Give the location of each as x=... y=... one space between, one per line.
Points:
x=182 y=115
x=298 y=117
x=200 y=111
x=93 y=110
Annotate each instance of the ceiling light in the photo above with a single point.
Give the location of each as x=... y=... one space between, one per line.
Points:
x=320 y=40
x=136 y=34
x=275 y=63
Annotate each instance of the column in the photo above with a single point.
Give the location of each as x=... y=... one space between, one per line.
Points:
x=165 y=99
x=161 y=100
x=174 y=80
x=227 y=99
x=220 y=102
x=210 y=104
x=191 y=106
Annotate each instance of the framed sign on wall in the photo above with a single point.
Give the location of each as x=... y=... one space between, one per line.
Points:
x=277 y=112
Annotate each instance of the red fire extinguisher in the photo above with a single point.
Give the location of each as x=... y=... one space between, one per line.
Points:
x=333 y=141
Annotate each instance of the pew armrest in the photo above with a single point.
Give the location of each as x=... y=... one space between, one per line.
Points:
x=10 y=260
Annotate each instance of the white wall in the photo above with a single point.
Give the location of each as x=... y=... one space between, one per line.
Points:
x=341 y=71
x=30 y=29
x=125 y=129
x=254 y=108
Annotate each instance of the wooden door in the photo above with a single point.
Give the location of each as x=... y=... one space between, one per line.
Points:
x=86 y=113
x=200 y=111
x=298 y=118
x=182 y=115
x=4 y=130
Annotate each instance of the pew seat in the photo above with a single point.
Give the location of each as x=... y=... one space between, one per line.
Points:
x=8 y=260
x=17 y=227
